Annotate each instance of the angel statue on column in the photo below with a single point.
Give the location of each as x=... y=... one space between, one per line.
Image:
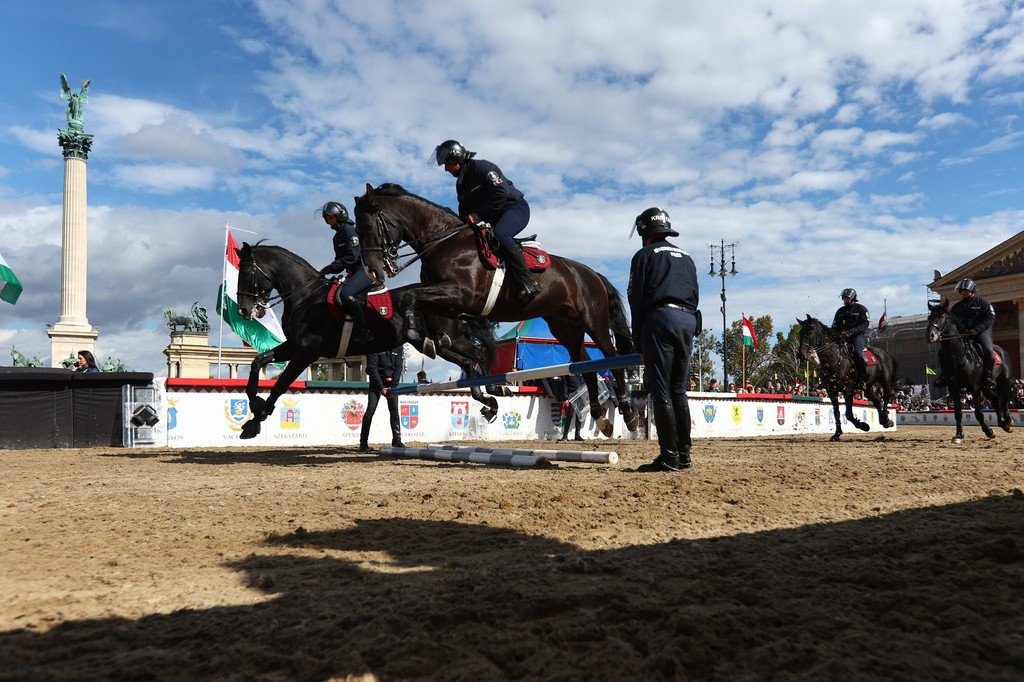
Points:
x=76 y=101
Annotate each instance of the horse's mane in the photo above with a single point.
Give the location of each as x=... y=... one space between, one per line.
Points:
x=393 y=189
x=284 y=252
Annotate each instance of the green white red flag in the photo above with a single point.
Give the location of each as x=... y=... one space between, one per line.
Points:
x=263 y=333
x=10 y=287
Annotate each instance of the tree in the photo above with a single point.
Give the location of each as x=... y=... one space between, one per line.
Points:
x=702 y=362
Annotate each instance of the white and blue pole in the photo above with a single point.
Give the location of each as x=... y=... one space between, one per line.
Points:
x=582 y=367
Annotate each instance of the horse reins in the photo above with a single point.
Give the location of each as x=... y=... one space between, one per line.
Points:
x=389 y=248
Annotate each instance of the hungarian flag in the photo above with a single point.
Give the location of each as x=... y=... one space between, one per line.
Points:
x=749 y=337
x=881 y=322
x=263 y=333
x=10 y=287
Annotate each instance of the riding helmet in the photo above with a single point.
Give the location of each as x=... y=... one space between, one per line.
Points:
x=849 y=293
x=654 y=221
x=966 y=284
x=337 y=210
x=452 y=150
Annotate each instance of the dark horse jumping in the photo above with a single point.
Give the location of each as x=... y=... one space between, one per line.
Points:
x=834 y=355
x=962 y=369
x=574 y=299
x=312 y=332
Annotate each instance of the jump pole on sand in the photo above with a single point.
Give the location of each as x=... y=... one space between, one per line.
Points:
x=474 y=456
x=617 y=362
x=588 y=456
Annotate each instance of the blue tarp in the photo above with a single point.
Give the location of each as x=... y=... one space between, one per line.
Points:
x=536 y=347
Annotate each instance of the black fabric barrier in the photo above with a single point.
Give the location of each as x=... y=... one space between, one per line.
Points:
x=57 y=408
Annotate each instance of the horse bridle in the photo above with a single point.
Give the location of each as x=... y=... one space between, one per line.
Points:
x=262 y=300
x=942 y=329
x=389 y=245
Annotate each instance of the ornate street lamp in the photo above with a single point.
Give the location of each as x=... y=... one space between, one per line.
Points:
x=722 y=272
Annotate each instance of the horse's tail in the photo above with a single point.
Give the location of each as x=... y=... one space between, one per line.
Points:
x=1006 y=360
x=617 y=317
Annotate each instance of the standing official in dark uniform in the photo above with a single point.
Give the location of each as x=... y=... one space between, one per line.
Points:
x=487 y=196
x=348 y=258
x=851 y=321
x=384 y=370
x=663 y=299
x=974 y=317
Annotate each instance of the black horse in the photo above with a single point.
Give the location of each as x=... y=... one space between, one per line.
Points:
x=312 y=332
x=835 y=357
x=574 y=300
x=962 y=369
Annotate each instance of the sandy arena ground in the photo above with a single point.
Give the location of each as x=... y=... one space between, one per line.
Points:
x=897 y=557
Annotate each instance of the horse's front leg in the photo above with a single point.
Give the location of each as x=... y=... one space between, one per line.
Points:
x=834 y=397
x=958 y=414
x=489 y=411
x=257 y=405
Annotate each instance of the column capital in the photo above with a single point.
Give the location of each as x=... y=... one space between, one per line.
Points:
x=75 y=143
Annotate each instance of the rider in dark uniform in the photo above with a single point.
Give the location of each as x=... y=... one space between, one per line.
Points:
x=851 y=321
x=384 y=371
x=663 y=298
x=487 y=196
x=974 y=317
x=348 y=259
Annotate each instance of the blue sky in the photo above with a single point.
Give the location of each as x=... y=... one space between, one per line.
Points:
x=837 y=144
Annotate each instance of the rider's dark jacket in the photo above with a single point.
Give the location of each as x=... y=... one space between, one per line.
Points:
x=347 y=254
x=483 y=189
x=973 y=314
x=852 y=319
x=384 y=369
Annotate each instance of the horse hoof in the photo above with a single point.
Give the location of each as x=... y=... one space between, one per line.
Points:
x=958 y=441
x=250 y=429
x=604 y=426
x=835 y=438
x=990 y=435
x=863 y=427
x=445 y=341
x=428 y=349
x=489 y=414
x=1008 y=427
x=889 y=424
x=633 y=422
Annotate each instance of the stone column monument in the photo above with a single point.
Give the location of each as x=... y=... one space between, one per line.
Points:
x=72 y=332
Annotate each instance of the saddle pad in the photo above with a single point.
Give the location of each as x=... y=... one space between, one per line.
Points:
x=377 y=300
x=537 y=260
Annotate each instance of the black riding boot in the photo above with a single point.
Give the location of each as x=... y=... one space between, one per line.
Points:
x=665 y=420
x=516 y=265
x=354 y=307
x=988 y=377
x=682 y=413
x=940 y=381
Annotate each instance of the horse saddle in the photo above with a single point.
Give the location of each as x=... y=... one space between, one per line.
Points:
x=378 y=300
x=869 y=357
x=536 y=258
x=997 y=359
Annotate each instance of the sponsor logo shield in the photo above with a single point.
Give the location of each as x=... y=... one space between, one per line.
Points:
x=409 y=415
x=709 y=413
x=460 y=414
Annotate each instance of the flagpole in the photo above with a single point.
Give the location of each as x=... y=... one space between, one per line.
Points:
x=220 y=303
x=743 y=345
